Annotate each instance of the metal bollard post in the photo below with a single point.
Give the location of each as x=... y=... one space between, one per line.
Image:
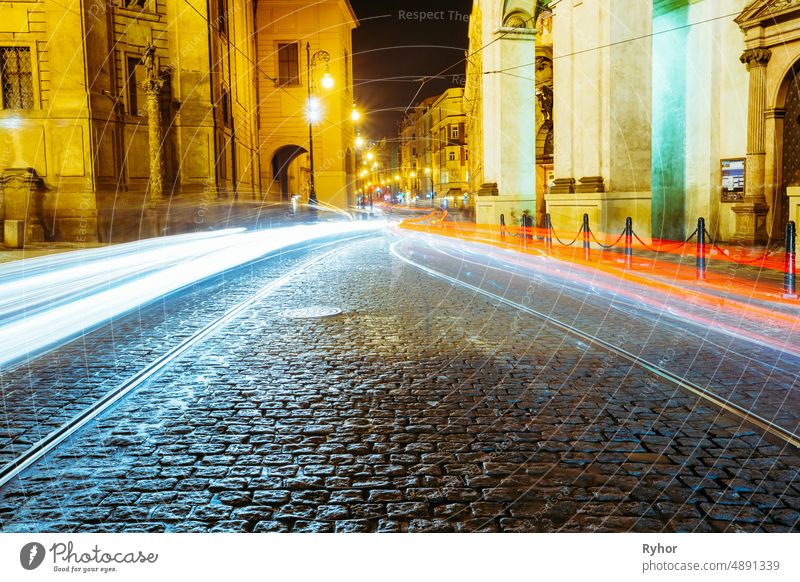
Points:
x=628 y=242
x=503 y=227
x=587 y=252
x=548 y=238
x=702 y=260
x=789 y=283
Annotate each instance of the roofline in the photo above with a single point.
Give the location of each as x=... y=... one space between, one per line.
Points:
x=349 y=9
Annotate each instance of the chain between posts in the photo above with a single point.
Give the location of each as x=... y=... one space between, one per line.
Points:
x=629 y=235
x=562 y=243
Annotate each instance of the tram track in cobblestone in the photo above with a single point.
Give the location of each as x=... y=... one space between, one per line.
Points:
x=749 y=416
x=150 y=372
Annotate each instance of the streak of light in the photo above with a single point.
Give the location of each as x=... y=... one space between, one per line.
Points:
x=54 y=304
x=752 y=299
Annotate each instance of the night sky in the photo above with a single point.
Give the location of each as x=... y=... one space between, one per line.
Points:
x=391 y=42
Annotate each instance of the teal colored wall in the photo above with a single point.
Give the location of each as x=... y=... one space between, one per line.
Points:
x=669 y=122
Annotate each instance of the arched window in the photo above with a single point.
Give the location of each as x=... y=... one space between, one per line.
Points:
x=517 y=19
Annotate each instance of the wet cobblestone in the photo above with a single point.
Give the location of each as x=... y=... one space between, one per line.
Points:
x=420 y=408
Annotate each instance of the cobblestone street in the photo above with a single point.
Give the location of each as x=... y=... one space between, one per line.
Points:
x=422 y=407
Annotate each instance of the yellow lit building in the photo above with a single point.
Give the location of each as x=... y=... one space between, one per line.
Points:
x=292 y=35
x=449 y=153
x=416 y=151
x=75 y=157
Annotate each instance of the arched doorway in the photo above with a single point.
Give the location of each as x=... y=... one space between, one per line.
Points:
x=288 y=173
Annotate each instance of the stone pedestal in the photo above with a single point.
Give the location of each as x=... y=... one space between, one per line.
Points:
x=155 y=221
x=607 y=212
x=489 y=208
x=14 y=234
x=751 y=224
x=793 y=194
x=23 y=198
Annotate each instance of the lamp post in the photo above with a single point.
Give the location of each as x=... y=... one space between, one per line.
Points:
x=313 y=112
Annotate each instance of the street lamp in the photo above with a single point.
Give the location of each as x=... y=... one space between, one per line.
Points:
x=314 y=113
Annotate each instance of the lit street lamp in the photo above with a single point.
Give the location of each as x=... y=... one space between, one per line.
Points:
x=314 y=112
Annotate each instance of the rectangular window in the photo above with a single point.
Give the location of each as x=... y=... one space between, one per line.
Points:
x=140 y=4
x=453 y=132
x=137 y=98
x=16 y=76
x=288 y=64
x=452 y=156
x=225 y=103
x=222 y=18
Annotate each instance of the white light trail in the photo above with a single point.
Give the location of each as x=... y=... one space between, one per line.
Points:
x=64 y=297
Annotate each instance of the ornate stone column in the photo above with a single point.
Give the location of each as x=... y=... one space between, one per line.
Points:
x=751 y=215
x=156 y=216
x=152 y=86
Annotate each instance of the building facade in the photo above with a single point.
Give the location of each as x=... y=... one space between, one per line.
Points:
x=449 y=151
x=299 y=43
x=75 y=162
x=696 y=113
x=416 y=152
x=501 y=106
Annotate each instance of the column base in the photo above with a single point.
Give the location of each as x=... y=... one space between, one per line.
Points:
x=751 y=224
x=155 y=221
x=607 y=212
x=489 y=208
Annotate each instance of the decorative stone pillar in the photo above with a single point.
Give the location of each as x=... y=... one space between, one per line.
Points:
x=156 y=212
x=751 y=214
x=152 y=86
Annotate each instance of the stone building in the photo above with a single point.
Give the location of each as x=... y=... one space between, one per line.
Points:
x=416 y=150
x=290 y=36
x=663 y=110
x=449 y=151
x=501 y=108
x=75 y=123
x=694 y=105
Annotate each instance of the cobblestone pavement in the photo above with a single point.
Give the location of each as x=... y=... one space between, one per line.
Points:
x=421 y=408
x=731 y=365
x=40 y=395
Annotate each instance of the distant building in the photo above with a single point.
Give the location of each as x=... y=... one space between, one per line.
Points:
x=449 y=151
x=74 y=121
x=416 y=151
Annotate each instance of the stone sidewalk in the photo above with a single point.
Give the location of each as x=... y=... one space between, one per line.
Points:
x=419 y=408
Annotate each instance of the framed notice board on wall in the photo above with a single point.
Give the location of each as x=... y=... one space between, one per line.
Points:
x=733 y=180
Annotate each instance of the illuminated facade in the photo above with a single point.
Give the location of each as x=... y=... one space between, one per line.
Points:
x=416 y=151
x=285 y=30
x=75 y=158
x=678 y=110
x=449 y=152
x=501 y=105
